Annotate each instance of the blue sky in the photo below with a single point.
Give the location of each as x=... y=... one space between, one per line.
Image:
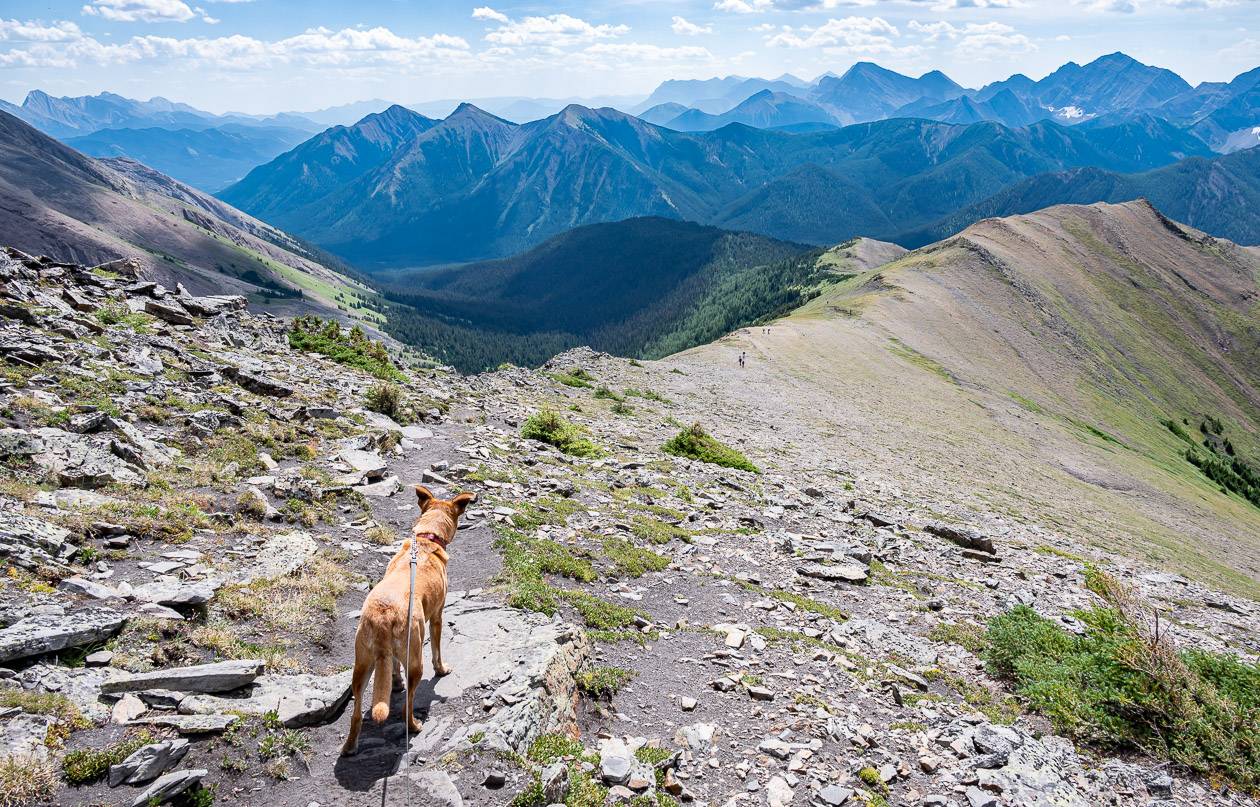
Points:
x=272 y=55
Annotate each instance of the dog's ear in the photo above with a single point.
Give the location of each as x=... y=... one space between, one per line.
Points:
x=462 y=501
x=425 y=497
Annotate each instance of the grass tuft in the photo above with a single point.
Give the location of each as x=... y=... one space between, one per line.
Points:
x=697 y=444
x=1123 y=685
x=549 y=427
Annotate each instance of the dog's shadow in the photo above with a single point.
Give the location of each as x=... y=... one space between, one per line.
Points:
x=381 y=747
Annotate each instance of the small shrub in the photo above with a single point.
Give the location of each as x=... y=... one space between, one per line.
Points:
x=550 y=747
x=697 y=444
x=632 y=560
x=577 y=377
x=387 y=399
x=607 y=394
x=603 y=682
x=25 y=781
x=554 y=558
x=381 y=536
x=1122 y=685
x=352 y=348
x=621 y=408
x=115 y=313
x=86 y=765
x=549 y=427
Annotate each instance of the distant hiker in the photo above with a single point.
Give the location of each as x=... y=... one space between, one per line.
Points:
x=741 y=358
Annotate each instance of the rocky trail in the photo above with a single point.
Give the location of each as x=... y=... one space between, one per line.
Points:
x=192 y=511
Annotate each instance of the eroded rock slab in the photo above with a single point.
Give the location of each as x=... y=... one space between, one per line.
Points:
x=525 y=662
x=298 y=700
x=221 y=676
x=47 y=633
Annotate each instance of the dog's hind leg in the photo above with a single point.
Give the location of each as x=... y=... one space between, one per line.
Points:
x=435 y=645
x=358 y=683
x=415 y=671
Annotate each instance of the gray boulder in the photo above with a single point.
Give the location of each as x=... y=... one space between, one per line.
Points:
x=169 y=311
x=148 y=763
x=47 y=633
x=76 y=460
x=221 y=676
x=168 y=787
x=29 y=542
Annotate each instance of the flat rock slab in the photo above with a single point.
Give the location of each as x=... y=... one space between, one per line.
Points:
x=283 y=554
x=177 y=592
x=524 y=662
x=24 y=735
x=222 y=676
x=298 y=700
x=842 y=572
x=168 y=787
x=188 y=724
x=369 y=464
x=48 y=633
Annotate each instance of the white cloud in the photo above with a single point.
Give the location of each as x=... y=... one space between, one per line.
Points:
x=743 y=6
x=948 y=5
x=976 y=40
x=684 y=28
x=140 y=10
x=854 y=35
x=609 y=54
x=349 y=47
x=552 y=31
x=36 y=31
x=831 y=5
x=763 y=28
x=1114 y=6
x=487 y=13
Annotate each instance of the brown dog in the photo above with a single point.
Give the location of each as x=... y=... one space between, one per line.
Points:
x=381 y=639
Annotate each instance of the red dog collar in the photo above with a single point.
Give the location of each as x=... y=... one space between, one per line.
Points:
x=433 y=537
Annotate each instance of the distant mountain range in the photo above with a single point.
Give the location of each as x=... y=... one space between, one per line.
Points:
x=57 y=202
x=208 y=159
x=1222 y=115
x=72 y=117
x=399 y=189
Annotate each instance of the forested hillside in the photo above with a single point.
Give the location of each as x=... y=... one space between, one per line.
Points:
x=642 y=287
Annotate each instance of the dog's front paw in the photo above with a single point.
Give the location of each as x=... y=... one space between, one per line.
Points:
x=442 y=669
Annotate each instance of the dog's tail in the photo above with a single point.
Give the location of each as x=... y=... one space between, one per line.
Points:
x=382 y=684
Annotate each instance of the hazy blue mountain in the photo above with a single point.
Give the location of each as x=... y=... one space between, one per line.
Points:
x=717 y=95
x=869 y=92
x=764 y=110
x=344 y=114
x=76 y=116
x=208 y=159
x=662 y=114
x=325 y=163
x=1234 y=125
x=1004 y=107
x=1107 y=84
x=1220 y=195
x=476 y=186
